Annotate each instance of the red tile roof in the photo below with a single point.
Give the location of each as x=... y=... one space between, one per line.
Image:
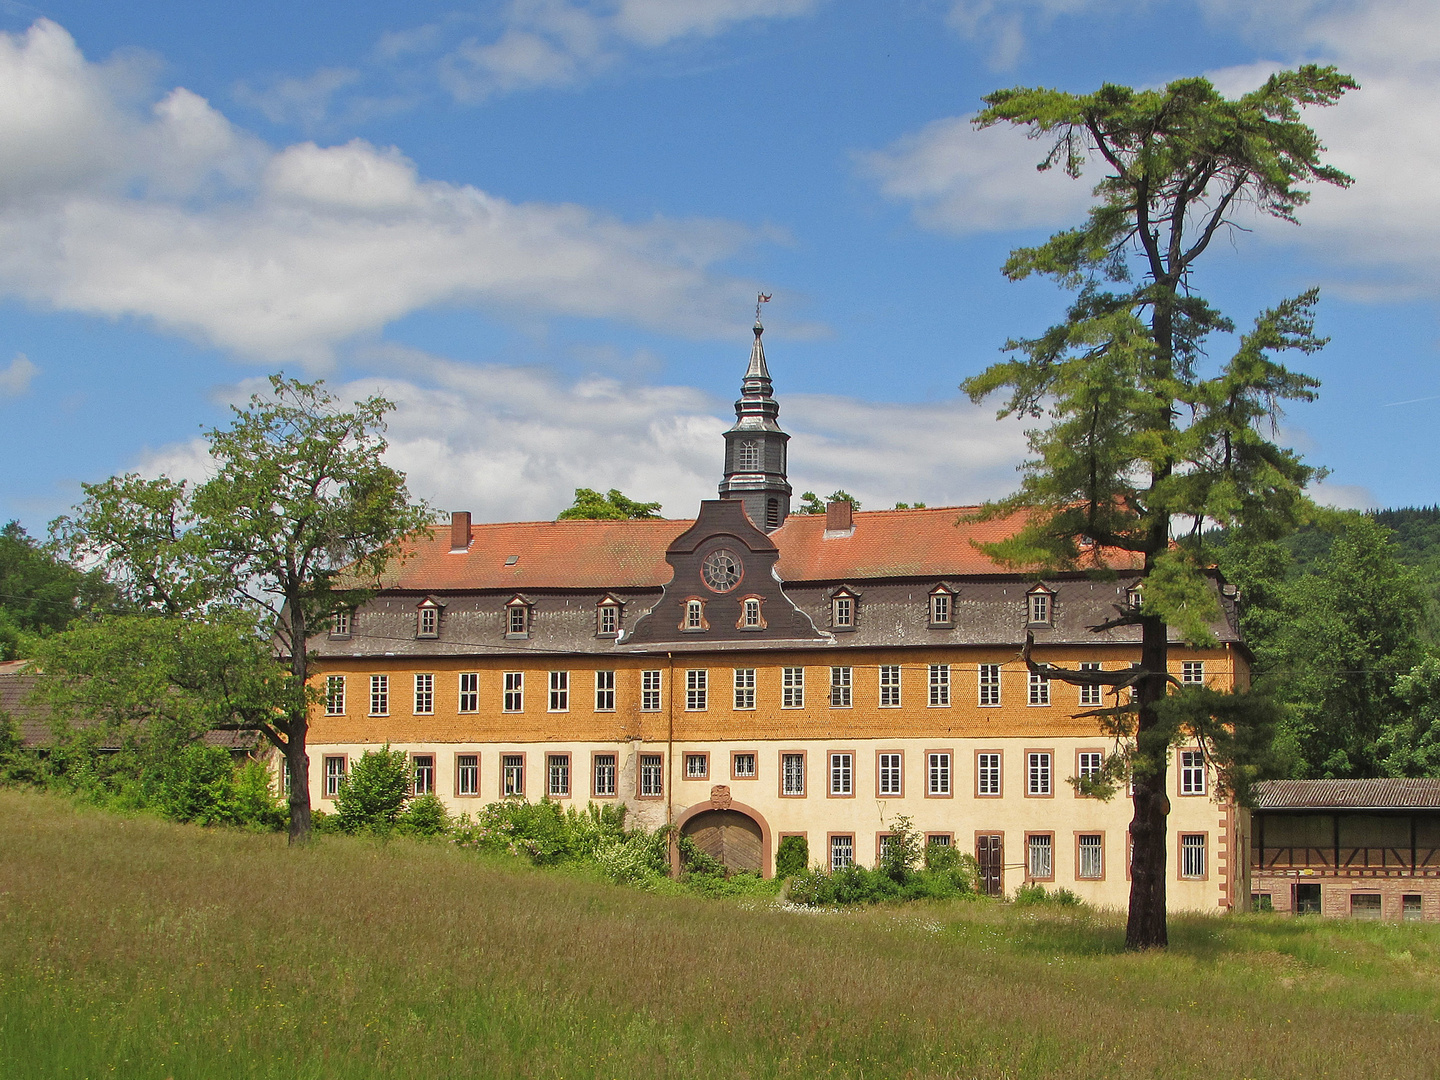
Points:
x=631 y=554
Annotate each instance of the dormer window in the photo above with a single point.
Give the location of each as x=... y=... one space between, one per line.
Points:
x=517 y=618
x=942 y=607
x=1040 y=606
x=747 y=456
x=607 y=618
x=750 y=617
x=842 y=609
x=1134 y=599
x=340 y=624
x=427 y=623
x=694 y=620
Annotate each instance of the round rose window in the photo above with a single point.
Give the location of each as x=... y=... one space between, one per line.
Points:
x=721 y=570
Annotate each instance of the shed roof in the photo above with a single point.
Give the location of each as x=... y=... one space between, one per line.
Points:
x=931 y=542
x=1378 y=794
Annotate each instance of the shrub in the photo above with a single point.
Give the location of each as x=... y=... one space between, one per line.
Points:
x=900 y=852
x=373 y=795
x=792 y=856
x=424 y=816
x=1035 y=893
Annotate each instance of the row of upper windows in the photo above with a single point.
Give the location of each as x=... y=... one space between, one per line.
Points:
x=939 y=778
x=1039 y=611
x=841 y=689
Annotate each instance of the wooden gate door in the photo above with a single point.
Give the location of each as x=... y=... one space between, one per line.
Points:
x=729 y=836
x=990 y=853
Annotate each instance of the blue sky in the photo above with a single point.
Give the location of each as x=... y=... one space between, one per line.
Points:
x=539 y=226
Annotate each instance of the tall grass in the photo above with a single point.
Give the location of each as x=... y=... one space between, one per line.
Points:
x=131 y=947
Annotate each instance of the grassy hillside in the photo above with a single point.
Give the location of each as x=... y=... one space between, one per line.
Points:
x=136 y=948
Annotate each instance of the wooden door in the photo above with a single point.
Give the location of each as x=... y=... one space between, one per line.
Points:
x=990 y=853
x=729 y=836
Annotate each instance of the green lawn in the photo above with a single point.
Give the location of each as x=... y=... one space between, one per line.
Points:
x=130 y=947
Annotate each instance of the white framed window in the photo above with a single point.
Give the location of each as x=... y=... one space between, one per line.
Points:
x=747 y=456
x=891 y=779
x=517 y=620
x=557 y=768
x=697 y=766
x=842 y=774
x=842 y=852
x=1192 y=855
x=467 y=774
x=512 y=774
x=941 y=610
x=745 y=688
x=604 y=691
x=334 y=776
x=334 y=695
x=939 y=686
x=792 y=688
x=604 y=784
x=1192 y=772
x=752 y=613
x=1090 y=694
x=340 y=624
x=792 y=774
x=987 y=774
x=1040 y=856
x=469 y=691
x=429 y=622
x=840 y=687
x=1192 y=672
x=1134 y=599
x=424 y=767
x=379 y=695
x=559 y=691
x=1089 y=763
x=694 y=615
x=1091 y=857
x=742 y=766
x=609 y=620
x=697 y=681
x=989 y=685
x=652 y=776
x=1039 y=608
x=842 y=612
x=1039 y=689
x=889 y=686
x=514 y=700
x=649 y=691
x=1038 y=773
x=937 y=773
x=424 y=694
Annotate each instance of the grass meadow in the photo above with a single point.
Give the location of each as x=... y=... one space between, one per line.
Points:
x=130 y=947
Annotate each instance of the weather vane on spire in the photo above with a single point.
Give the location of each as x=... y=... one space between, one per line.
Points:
x=760 y=298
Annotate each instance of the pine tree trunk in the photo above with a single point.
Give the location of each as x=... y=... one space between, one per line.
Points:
x=1145 y=928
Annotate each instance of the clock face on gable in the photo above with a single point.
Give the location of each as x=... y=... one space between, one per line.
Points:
x=722 y=570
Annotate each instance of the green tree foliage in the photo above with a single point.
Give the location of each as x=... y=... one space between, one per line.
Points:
x=792 y=856
x=40 y=593
x=1410 y=743
x=373 y=796
x=612 y=506
x=299 y=520
x=1139 y=438
x=810 y=503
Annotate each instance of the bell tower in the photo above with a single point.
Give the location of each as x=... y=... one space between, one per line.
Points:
x=755 y=448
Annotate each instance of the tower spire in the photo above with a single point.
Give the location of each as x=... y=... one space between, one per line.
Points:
x=755 y=447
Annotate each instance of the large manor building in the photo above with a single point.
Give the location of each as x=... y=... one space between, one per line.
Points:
x=752 y=674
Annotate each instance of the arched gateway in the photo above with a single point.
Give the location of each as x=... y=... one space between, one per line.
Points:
x=729 y=831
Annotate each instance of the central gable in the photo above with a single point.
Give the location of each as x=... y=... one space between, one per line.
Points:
x=723 y=587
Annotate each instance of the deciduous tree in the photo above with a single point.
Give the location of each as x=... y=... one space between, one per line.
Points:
x=612 y=506
x=1141 y=440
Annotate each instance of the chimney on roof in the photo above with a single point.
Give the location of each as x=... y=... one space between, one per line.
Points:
x=839 y=517
x=460 y=531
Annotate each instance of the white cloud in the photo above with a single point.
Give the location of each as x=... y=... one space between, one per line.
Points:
x=179 y=218
x=15 y=379
x=961 y=180
x=547 y=43
x=1345 y=496
x=1004 y=25
x=513 y=443
x=303 y=101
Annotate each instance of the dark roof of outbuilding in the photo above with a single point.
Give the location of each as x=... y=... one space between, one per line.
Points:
x=1380 y=794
